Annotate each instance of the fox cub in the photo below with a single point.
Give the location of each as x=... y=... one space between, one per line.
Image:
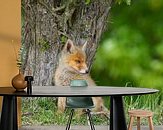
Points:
x=72 y=65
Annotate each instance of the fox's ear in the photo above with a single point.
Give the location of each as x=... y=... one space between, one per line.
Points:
x=69 y=46
x=84 y=46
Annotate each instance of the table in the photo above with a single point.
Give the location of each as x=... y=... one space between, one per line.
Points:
x=117 y=116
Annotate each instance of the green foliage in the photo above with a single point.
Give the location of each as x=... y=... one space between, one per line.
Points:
x=44 y=44
x=128 y=2
x=41 y=111
x=87 y=2
x=148 y=102
x=21 y=56
x=131 y=53
x=132 y=50
x=63 y=39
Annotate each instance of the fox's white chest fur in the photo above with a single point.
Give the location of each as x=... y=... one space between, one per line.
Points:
x=64 y=76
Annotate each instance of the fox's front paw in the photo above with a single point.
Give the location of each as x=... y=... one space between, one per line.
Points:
x=61 y=104
x=60 y=111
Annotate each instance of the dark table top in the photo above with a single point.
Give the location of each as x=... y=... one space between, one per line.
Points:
x=65 y=91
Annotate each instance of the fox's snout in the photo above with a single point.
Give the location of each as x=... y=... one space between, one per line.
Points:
x=83 y=71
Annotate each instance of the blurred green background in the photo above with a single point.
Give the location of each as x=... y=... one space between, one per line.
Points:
x=131 y=53
x=131 y=50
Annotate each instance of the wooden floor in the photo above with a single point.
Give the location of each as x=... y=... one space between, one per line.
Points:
x=79 y=128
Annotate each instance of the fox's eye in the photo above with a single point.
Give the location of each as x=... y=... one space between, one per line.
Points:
x=77 y=61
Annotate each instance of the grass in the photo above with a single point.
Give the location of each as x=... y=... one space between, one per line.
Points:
x=43 y=111
x=148 y=102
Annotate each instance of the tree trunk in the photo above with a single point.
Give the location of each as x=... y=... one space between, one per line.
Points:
x=49 y=23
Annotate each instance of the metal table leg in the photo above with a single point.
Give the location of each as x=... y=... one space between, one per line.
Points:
x=9 y=113
x=117 y=116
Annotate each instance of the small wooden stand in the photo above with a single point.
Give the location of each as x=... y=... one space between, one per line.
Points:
x=138 y=114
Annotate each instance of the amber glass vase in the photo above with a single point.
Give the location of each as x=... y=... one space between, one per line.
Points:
x=18 y=82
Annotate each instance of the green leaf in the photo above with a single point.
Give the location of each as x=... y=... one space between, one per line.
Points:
x=44 y=44
x=87 y=2
x=63 y=39
x=128 y=2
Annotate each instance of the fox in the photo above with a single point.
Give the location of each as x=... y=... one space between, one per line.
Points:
x=72 y=65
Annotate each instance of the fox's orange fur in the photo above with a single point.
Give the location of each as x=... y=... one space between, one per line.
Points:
x=72 y=65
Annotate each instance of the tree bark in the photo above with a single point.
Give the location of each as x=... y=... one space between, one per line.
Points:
x=49 y=23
